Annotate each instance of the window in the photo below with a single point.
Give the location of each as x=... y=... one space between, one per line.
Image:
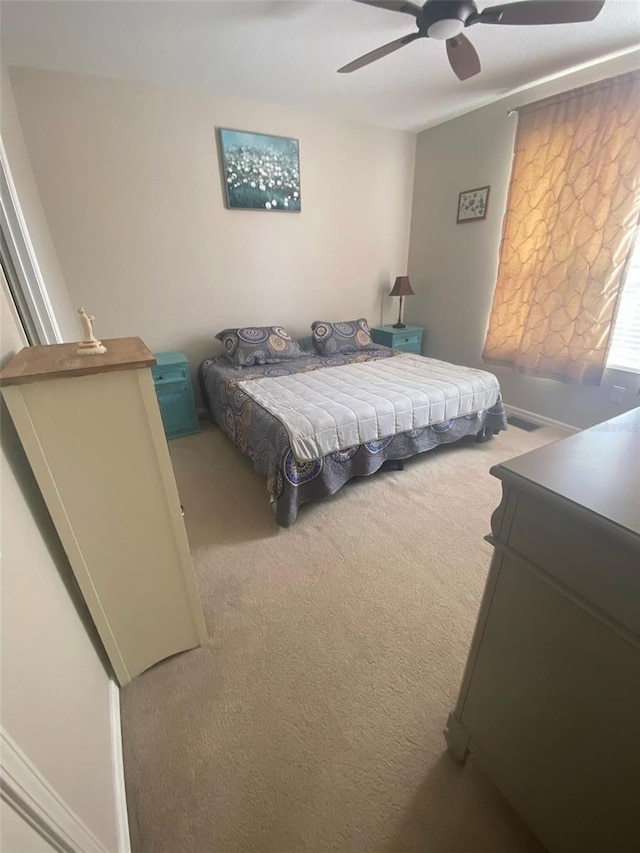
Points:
x=624 y=353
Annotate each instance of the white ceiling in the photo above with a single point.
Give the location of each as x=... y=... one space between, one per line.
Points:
x=287 y=52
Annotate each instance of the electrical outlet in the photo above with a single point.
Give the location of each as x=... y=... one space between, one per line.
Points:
x=617 y=394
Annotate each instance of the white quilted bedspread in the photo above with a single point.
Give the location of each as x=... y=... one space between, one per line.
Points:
x=335 y=408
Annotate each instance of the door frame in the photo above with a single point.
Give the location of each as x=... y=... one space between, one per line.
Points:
x=24 y=269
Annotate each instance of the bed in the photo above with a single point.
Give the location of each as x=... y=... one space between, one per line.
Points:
x=228 y=392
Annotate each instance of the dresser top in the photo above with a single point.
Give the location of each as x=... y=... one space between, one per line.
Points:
x=598 y=469
x=56 y=361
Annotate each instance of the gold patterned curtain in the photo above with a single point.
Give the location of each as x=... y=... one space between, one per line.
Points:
x=570 y=225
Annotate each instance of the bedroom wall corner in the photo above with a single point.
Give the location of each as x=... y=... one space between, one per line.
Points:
x=453 y=267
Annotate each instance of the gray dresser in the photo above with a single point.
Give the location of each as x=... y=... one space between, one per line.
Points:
x=550 y=701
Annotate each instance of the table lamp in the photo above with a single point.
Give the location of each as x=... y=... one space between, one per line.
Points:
x=401 y=288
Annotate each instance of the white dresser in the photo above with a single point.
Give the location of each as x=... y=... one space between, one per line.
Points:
x=550 y=700
x=92 y=431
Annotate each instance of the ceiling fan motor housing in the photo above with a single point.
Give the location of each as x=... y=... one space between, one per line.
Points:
x=445 y=19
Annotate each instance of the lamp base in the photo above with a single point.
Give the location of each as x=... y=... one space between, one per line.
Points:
x=398 y=326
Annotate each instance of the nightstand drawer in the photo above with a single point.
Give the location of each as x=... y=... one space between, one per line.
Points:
x=165 y=389
x=408 y=339
x=163 y=375
x=415 y=348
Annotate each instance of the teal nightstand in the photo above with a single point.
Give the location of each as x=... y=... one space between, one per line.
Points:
x=408 y=339
x=175 y=394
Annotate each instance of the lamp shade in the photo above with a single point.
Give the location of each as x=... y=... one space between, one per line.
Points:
x=402 y=287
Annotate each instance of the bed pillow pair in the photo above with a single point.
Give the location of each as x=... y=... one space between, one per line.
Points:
x=253 y=345
x=341 y=338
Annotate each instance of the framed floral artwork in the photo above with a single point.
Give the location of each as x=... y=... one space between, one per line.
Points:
x=260 y=171
x=472 y=205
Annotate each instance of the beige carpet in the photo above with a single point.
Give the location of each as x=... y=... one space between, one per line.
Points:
x=313 y=721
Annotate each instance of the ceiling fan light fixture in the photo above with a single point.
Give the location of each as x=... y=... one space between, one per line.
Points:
x=445 y=28
x=446 y=20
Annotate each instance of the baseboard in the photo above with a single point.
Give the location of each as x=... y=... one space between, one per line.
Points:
x=26 y=790
x=117 y=762
x=540 y=419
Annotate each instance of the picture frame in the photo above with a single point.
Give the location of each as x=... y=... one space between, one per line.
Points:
x=260 y=171
x=472 y=205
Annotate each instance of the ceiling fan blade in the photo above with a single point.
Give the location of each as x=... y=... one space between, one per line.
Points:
x=537 y=12
x=463 y=57
x=378 y=53
x=397 y=6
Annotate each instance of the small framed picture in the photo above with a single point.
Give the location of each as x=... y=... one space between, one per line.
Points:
x=472 y=205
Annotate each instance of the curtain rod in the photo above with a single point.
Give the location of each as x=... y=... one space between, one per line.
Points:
x=578 y=91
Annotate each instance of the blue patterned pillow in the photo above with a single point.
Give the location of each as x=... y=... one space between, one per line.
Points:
x=342 y=338
x=253 y=345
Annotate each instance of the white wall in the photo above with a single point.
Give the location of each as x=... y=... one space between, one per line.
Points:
x=55 y=688
x=17 y=836
x=453 y=268
x=130 y=182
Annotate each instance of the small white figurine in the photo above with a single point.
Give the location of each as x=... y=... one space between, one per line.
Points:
x=90 y=345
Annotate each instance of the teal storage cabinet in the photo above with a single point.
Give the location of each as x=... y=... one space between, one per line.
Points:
x=175 y=394
x=408 y=339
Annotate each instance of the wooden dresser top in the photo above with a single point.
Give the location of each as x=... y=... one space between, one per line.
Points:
x=56 y=361
x=597 y=469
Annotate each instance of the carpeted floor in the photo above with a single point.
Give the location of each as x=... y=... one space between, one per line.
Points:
x=313 y=721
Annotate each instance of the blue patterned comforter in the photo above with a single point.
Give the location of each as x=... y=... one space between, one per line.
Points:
x=264 y=439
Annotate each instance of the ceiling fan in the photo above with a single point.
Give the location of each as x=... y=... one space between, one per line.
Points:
x=446 y=19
